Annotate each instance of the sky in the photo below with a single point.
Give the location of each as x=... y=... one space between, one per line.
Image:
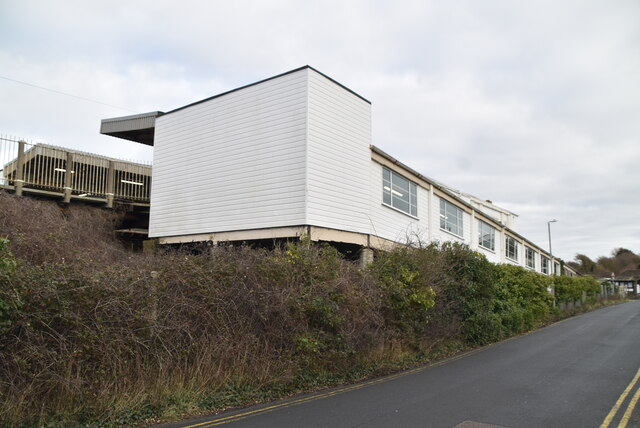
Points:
x=533 y=105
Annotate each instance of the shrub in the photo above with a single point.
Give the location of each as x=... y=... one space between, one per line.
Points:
x=91 y=334
x=523 y=299
x=571 y=288
x=407 y=294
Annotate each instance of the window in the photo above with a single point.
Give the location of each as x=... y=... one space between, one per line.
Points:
x=398 y=192
x=450 y=218
x=486 y=236
x=511 y=246
x=530 y=257
x=544 y=263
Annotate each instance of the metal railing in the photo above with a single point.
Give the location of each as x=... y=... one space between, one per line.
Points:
x=28 y=167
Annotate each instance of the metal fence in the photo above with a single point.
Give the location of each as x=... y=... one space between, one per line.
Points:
x=48 y=169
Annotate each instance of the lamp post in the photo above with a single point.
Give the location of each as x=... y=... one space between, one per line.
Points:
x=553 y=265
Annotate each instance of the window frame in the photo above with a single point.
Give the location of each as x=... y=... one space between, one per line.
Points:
x=507 y=240
x=483 y=225
x=444 y=218
x=389 y=193
x=530 y=251
x=544 y=264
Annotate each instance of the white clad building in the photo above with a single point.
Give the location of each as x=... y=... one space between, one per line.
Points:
x=292 y=155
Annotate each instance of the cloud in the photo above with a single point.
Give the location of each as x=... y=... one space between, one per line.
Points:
x=533 y=105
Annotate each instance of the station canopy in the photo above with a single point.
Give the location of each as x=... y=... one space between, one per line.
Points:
x=138 y=127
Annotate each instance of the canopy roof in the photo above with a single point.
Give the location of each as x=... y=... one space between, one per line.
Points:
x=138 y=127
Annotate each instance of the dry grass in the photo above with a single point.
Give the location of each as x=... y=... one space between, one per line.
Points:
x=93 y=335
x=100 y=334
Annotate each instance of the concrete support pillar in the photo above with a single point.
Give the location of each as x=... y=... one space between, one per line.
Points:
x=19 y=179
x=149 y=246
x=68 y=178
x=212 y=246
x=366 y=256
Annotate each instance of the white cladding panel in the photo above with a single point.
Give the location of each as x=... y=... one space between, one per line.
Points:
x=233 y=162
x=338 y=157
x=391 y=224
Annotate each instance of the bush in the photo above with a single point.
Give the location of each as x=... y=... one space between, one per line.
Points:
x=407 y=293
x=523 y=298
x=569 y=289
x=91 y=334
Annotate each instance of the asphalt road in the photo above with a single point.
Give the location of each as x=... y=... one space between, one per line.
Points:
x=570 y=374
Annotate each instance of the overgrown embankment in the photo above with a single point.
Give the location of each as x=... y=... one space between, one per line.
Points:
x=93 y=335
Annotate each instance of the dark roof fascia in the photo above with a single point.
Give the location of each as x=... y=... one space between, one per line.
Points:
x=266 y=80
x=339 y=84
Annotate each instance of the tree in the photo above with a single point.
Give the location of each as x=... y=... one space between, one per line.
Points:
x=617 y=252
x=583 y=264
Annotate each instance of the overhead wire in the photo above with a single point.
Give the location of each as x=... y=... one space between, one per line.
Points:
x=66 y=94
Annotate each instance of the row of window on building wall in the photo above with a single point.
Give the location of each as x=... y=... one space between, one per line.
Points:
x=401 y=194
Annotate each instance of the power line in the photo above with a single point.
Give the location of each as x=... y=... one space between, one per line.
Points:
x=66 y=94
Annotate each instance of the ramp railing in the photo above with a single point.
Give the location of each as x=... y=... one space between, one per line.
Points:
x=41 y=168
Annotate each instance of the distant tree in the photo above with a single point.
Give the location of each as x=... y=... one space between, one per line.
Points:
x=621 y=260
x=617 y=252
x=583 y=264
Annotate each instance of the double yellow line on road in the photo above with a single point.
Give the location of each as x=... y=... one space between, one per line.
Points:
x=630 y=407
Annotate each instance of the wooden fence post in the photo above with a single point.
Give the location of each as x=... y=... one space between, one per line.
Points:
x=110 y=184
x=67 y=178
x=19 y=180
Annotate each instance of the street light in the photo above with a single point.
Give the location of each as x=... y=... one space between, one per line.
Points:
x=553 y=265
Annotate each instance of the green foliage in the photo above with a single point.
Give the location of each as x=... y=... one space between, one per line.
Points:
x=407 y=296
x=523 y=298
x=572 y=288
x=488 y=302
x=91 y=335
x=7 y=260
x=474 y=279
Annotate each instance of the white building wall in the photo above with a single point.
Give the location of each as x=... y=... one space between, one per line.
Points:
x=234 y=162
x=338 y=157
x=293 y=150
x=392 y=224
